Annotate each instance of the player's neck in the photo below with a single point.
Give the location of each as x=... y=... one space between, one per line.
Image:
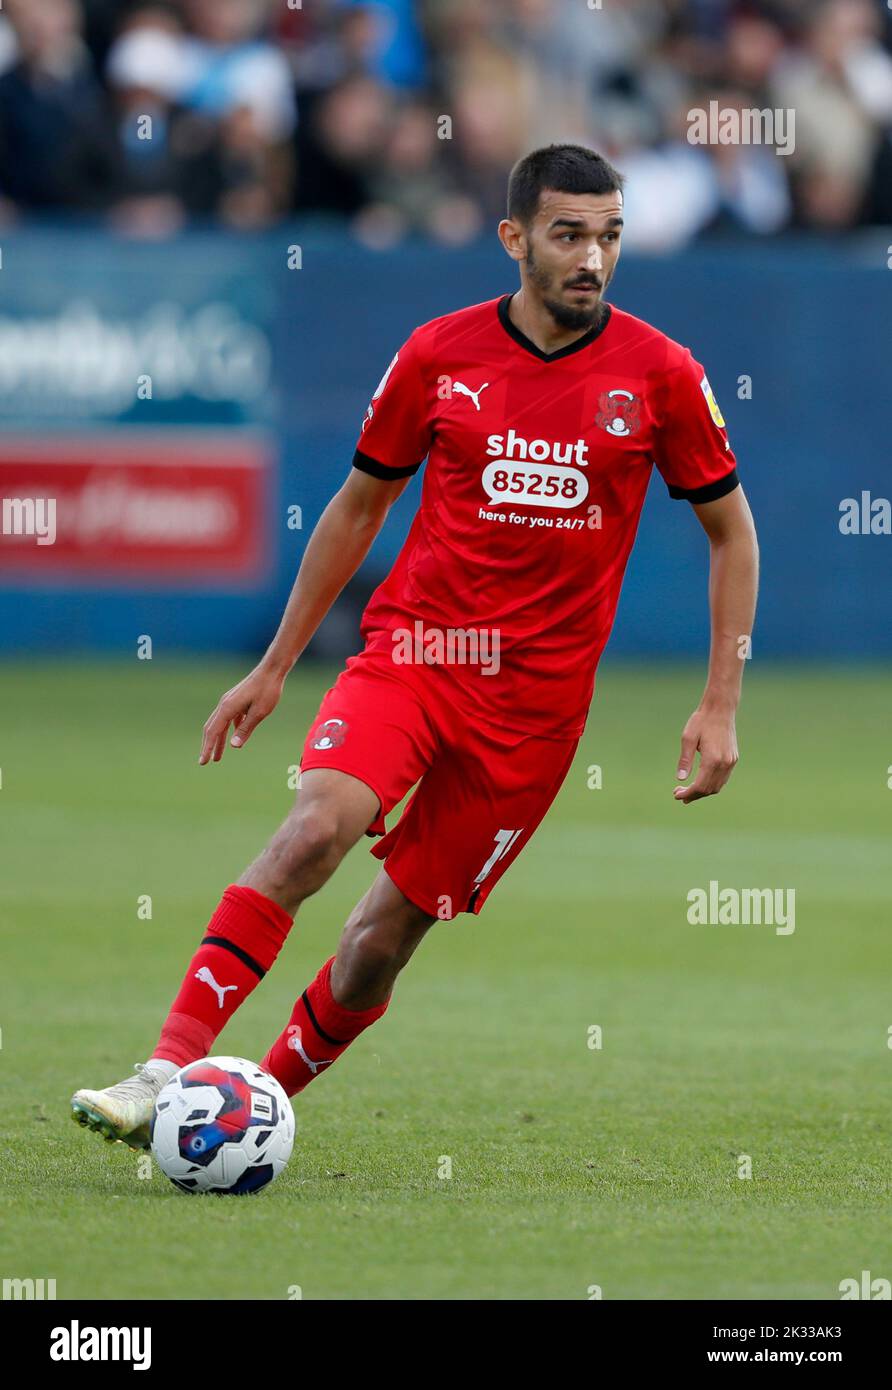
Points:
x=537 y=324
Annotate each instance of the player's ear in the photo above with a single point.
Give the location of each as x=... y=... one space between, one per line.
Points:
x=513 y=237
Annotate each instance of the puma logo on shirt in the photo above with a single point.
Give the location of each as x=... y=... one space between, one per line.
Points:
x=460 y=389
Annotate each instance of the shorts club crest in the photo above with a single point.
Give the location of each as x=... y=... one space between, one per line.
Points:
x=329 y=734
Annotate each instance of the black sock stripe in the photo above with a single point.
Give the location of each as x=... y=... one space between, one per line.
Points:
x=243 y=956
x=326 y=1037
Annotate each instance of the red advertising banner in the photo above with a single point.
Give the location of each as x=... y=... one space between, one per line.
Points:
x=169 y=507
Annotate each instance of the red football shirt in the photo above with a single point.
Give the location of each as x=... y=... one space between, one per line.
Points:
x=538 y=464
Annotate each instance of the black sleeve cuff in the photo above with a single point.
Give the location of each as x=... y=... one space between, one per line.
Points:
x=380 y=470
x=711 y=492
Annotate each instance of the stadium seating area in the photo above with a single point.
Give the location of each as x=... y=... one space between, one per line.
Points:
x=403 y=116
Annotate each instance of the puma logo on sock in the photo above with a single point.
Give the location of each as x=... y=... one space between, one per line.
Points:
x=295 y=1042
x=206 y=976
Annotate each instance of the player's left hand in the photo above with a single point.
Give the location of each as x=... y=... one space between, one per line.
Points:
x=712 y=734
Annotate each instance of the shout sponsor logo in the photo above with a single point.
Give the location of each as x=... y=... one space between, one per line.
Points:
x=724 y=907
x=76 y=1343
x=535 y=472
x=512 y=446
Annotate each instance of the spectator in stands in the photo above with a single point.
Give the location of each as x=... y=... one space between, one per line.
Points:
x=223 y=114
x=55 y=149
x=259 y=111
x=339 y=146
x=840 y=87
x=352 y=44
x=411 y=191
x=229 y=67
x=394 y=51
x=168 y=158
x=235 y=74
x=489 y=94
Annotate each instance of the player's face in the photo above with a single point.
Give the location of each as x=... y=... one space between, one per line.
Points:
x=572 y=247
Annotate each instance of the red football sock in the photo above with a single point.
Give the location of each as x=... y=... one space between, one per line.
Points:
x=319 y=1031
x=243 y=938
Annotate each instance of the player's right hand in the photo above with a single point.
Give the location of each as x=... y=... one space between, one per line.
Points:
x=244 y=706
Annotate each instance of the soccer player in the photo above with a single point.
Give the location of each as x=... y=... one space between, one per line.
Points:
x=541 y=414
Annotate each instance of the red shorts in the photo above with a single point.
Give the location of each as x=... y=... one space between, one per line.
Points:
x=482 y=790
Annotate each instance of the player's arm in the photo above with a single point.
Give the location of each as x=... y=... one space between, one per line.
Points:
x=733 y=581
x=336 y=549
x=393 y=442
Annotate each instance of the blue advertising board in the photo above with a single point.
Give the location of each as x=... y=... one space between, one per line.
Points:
x=212 y=369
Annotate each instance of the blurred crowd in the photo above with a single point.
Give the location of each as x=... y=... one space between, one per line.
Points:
x=403 y=117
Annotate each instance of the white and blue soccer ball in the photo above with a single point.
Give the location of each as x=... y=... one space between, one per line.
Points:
x=222 y=1125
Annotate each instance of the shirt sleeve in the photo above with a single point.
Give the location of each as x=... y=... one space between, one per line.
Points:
x=692 y=449
x=396 y=432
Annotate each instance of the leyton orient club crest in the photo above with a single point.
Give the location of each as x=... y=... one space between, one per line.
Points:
x=619 y=413
x=330 y=734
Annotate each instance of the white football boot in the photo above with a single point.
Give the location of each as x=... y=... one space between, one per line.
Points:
x=123 y=1112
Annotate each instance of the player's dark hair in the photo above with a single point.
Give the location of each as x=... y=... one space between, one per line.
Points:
x=566 y=169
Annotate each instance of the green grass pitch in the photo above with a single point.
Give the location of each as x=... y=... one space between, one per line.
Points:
x=572 y=1166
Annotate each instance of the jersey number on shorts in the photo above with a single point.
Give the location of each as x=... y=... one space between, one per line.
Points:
x=504 y=840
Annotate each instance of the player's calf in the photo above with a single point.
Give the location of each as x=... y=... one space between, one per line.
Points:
x=352 y=990
x=380 y=936
x=254 y=917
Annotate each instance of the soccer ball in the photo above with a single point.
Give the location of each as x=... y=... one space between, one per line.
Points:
x=222 y=1125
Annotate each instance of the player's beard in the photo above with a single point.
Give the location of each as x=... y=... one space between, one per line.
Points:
x=564 y=315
